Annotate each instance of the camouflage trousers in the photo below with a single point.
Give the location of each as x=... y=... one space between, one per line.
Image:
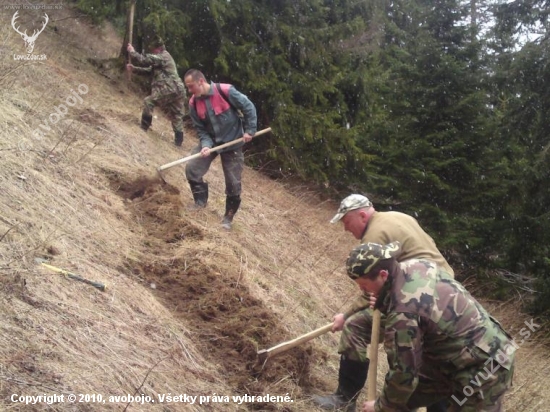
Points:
x=171 y=104
x=232 y=165
x=356 y=335
x=480 y=388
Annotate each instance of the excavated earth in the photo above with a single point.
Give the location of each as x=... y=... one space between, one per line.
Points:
x=231 y=324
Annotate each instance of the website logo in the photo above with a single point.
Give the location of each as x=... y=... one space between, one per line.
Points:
x=29 y=40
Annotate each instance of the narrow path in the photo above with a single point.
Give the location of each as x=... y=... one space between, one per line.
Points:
x=229 y=325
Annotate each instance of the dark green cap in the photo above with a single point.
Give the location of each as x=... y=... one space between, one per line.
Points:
x=156 y=42
x=364 y=257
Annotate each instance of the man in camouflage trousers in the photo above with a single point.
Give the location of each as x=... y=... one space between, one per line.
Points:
x=359 y=217
x=433 y=329
x=167 y=89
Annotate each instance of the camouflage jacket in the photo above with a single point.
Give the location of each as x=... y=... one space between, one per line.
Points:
x=166 y=80
x=432 y=321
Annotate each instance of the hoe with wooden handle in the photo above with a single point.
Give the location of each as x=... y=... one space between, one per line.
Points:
x=196 y=155
x=265 y=354
x=373 y=355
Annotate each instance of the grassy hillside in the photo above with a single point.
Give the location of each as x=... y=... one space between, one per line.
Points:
x=187 y=305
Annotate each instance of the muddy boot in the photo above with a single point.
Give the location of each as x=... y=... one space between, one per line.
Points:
x=351 y=379
x=178 y=138
x=146 y=121
x=200 y=194
x=232 y=204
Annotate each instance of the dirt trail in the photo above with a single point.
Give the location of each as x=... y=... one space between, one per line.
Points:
x=230 y=323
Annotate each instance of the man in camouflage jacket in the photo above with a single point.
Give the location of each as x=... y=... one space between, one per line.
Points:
x=167 y=89
x=435 y=329
x=359 y=217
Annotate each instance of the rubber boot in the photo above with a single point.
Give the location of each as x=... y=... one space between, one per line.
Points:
x=146 y=121
x=352 y=376
x=232 y=204
x=178 y=138
x=200 y=194
x=440 y=406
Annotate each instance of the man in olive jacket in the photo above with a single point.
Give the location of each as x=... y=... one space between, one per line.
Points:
x=359 y=217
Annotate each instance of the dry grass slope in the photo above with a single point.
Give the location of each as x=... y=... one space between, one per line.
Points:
x=187 y=305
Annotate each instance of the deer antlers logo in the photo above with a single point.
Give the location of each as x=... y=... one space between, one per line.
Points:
x=29 y=40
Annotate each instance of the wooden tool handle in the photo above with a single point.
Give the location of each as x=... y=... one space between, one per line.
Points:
x=373 y=355
x=282 y=347
x=98 y=285
x=214 y=149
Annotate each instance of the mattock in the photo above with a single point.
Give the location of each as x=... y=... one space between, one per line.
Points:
x=196 y=155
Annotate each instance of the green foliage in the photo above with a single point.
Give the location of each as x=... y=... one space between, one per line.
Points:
x=277 y=53
x=431 y=140
x=100 y=10
x=522 y=103
x=541 y=306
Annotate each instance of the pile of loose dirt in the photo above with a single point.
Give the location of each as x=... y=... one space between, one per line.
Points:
x=228 y=322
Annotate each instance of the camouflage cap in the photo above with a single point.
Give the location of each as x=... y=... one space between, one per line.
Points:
x=156 y=41
x=350 y=203
x=364 y=257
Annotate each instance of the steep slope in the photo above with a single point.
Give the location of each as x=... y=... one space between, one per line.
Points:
x=187 y=305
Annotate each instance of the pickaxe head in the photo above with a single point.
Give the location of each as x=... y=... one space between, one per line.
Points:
x=159 y=172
